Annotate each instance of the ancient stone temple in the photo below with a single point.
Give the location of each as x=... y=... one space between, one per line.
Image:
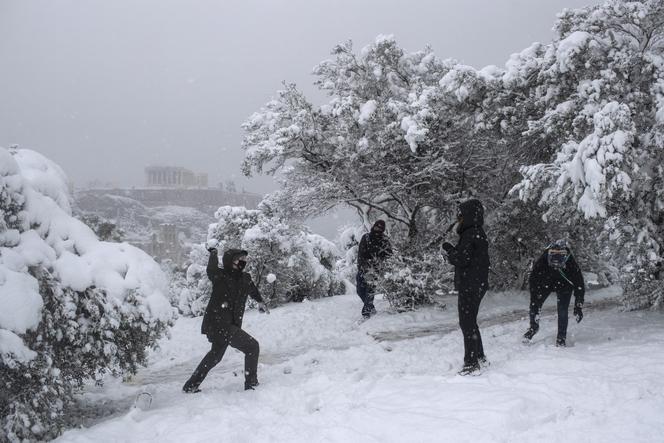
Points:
x=174 y=177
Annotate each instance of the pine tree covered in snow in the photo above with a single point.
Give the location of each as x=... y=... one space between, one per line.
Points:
x=599 y=90
x=73 y=308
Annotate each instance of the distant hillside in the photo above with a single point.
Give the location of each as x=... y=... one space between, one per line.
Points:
x=163 y=222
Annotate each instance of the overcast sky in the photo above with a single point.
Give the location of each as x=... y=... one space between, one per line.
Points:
x=106 y=87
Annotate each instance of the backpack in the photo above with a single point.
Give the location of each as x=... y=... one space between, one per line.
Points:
x=557 y=258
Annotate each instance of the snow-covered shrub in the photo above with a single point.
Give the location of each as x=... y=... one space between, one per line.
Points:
x=105 y=230
x=73 y=308
x=411 y=280
x=348 y=241
x=192 y=298
x=299 y=264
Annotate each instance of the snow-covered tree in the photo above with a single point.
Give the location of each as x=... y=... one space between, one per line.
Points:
x=600 y=91
x=403 y=136
x=73 y=308
x=360 y=148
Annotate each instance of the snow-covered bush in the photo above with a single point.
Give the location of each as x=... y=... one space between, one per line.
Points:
x=191 y=299
x=411 y=280
x=105 y=230
x=286 y=262
x=73 y=308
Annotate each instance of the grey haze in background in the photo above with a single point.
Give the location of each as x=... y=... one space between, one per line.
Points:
x=105 y=88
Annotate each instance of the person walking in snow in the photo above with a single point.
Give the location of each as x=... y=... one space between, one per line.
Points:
x=374 y=248
x=470 y=258
x=556 y=270
x=222 y=322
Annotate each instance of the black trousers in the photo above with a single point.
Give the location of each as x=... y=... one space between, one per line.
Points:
x=239 y=340
x=469 y=306
x=366 y=292
x=536 y=302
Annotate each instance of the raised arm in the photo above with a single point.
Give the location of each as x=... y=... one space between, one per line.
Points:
x=213 y=264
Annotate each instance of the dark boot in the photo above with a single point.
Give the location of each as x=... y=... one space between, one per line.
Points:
x=189 y=388
x=472 y=369
x=250 y=386
x=560 y=342
x=530 y=333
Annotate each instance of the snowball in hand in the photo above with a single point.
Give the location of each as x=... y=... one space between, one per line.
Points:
x=211 y=243
x=271 y=278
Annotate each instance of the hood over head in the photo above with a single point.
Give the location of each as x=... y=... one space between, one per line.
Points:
x=230 y=255
x=561 y=243
x=380 y=224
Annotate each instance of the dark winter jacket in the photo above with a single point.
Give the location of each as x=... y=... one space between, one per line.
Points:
x=374 y=248
x=544 y=279
x=230 y=288
x=470 y=257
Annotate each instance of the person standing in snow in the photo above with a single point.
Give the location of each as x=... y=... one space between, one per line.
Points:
x=470 y=258
x=556 y=270
x=222 y=322
x=374 y=248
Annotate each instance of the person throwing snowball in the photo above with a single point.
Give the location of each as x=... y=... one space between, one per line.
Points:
x=222 y=322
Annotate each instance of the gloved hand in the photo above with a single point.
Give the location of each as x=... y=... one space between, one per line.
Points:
x=211 y=245
x=578 y=312
x=262 y=307
x=447 y=246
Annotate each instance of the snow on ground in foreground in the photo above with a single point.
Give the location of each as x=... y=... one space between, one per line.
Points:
x=325 y=378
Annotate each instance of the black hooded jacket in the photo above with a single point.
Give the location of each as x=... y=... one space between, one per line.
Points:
x=373 y=249
x=230 y=288
x=544 y=279
x=470 y=257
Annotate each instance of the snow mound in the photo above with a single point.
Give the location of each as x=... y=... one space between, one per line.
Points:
x=38 y=230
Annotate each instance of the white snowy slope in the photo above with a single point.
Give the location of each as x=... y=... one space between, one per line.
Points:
x=393 y=379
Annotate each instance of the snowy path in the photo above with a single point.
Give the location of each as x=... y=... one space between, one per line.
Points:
x=324 y=378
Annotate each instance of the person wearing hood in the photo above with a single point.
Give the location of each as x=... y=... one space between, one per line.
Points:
x=556 y=270
x=374 y=248
x=222 y=322
x=470 y=258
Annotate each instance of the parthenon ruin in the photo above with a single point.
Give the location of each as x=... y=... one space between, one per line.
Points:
x=174 y=177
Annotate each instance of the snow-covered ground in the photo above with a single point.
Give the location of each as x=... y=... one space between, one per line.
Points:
x=394 y=379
